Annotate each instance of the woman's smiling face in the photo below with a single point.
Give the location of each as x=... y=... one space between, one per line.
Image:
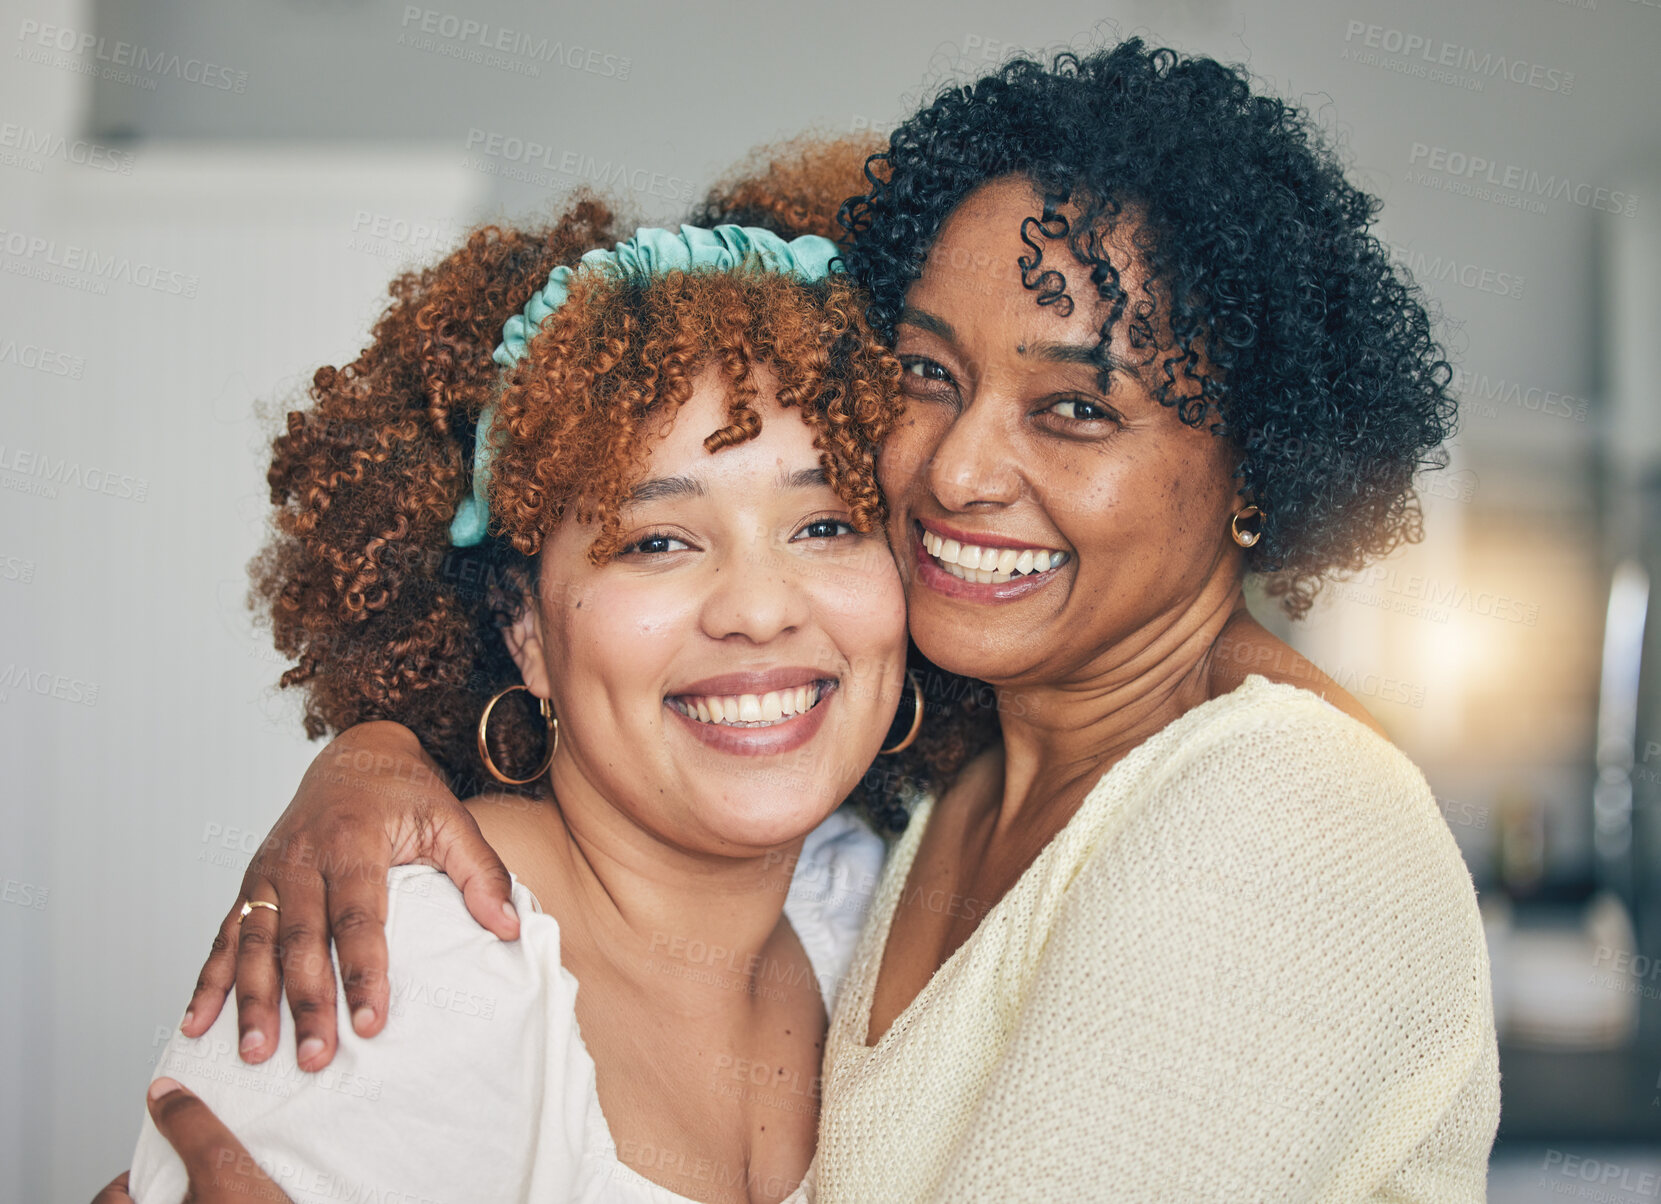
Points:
x=1038 y=520
x=728 y=677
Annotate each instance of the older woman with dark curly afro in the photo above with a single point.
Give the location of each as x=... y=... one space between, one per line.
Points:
x=1169 y=918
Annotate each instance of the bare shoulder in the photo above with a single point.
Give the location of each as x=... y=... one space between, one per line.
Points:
x=526 y=831
x=1245 y=647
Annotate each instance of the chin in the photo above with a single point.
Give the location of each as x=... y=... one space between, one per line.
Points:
x=763 y=818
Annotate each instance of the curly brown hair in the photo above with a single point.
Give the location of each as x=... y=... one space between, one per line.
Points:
x=792 y=188
x=382 y=616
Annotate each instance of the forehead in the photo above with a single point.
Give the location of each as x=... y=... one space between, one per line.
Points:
x=676 y=445
x=974 y=263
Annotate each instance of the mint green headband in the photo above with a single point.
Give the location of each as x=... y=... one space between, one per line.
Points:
x=651 y=252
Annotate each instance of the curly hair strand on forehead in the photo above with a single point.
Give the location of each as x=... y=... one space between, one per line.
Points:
x=622 y=356
x=1278 y=316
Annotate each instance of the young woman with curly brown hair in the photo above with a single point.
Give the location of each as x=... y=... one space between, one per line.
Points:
x=672 y=547
x=1188 y=927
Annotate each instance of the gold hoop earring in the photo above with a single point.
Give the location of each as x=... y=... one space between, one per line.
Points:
x=484 y=748
x=916 y=716
x=1245 y=538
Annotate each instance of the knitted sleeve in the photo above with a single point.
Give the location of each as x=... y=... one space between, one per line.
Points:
x=1272 y=984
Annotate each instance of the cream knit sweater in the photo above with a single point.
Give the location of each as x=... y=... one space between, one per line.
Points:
x=1250 y=968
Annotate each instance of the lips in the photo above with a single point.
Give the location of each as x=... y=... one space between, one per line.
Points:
x=749 y=710
x=755 y=714
x=982 y=567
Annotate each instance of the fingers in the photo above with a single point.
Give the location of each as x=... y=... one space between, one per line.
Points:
x=461 y=851
x=308 y=975
x=215 y=981
x=219 y=1166
x=115 y=1191
x=259 y=979
x=357 y=917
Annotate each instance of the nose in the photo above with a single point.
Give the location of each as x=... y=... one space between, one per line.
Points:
x=973 y=465
x=754 y=595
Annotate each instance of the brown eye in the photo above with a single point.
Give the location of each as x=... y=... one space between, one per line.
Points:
x=656 y=545
x=925 y=369
x=825 y=528
x=1080 y=410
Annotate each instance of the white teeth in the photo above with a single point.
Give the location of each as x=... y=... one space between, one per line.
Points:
x=749 y=710
x=989 y=566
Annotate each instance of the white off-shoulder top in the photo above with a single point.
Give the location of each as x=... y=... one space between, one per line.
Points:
x=480 y=1086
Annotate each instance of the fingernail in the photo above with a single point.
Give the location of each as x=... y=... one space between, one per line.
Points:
x=251 y=1040
x=190 y=1014
x=163 y=1086
x=310 y=1048
x=362 y=1019
x=510 y=913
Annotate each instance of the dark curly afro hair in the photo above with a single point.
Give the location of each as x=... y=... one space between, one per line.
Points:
x=1289 y=329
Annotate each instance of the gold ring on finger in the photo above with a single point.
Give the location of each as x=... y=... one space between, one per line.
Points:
x=248 y=905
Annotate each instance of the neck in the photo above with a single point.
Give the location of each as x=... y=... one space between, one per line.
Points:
x=686 y=924
x=1060 y=736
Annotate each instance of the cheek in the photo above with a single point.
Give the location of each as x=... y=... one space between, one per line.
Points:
x=863 y=615
x=907 y=451
x=595 y=623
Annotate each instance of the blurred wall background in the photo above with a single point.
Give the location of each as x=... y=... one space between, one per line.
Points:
x=201 y=202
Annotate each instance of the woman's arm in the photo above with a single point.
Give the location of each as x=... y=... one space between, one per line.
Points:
x=478 y=1089
x=371 y=800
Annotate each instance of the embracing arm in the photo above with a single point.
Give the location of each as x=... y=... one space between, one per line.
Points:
x=372 y=799
x=479 y=1088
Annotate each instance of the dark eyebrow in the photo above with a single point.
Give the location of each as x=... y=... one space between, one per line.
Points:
x=804 y=478
x=923 y=320
x=1061 y=353
x=659 y=488
x=1077 y=353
